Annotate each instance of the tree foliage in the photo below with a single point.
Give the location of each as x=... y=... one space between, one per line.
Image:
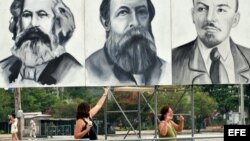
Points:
x=179 y=99
x=6 y=105
x=227 y=96
x=205 y=106
x=71 y=97
x=37 y=100
x=62 y=102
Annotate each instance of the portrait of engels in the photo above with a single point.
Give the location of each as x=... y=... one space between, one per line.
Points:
x=213 y=56
x=137 y=47
x=41 y=30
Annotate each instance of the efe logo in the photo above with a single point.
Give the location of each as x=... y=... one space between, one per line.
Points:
x=240 y=132
x=236 y=132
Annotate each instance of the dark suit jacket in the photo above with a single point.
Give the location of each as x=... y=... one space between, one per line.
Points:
x=54 y=72
x=189 y=67
x=102 y=71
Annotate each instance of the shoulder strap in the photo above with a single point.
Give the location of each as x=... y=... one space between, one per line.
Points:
x=85 y=126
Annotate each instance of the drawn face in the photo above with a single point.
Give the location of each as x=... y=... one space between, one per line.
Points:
x=125 y=14
x=214 y=20
x=130 y=44
x=35 y=42
x=38 y=13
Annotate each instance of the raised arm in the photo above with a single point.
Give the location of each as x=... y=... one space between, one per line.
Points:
x=179 y=127
x=100 y=103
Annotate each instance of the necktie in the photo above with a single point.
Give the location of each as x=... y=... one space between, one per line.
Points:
x=218 y=73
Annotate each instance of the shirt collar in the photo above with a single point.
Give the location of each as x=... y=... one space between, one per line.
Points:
x=32 y=73
x=223 y=48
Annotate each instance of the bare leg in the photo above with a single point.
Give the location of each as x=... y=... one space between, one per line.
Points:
x=16 y=138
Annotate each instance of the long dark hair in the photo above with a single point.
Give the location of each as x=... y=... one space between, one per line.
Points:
x=164 y=110
x=83 y=110
x=13 y=115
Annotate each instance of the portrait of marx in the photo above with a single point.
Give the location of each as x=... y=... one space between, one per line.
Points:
x=40 y=30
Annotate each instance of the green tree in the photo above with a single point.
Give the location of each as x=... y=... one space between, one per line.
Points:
x=71 y=97
x=6 y=104
x=227 y=97
x=178 y=97
x=37 y=99
x=205 y=106
x=64 y=110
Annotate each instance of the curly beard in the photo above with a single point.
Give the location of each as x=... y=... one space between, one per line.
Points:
x=34 y=47
x=134 y=51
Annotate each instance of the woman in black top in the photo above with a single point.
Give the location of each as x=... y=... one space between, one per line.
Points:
x=84 y=126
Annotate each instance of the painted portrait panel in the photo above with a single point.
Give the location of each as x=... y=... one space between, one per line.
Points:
x=128 y=42
x=42 y=43
x=210 y=42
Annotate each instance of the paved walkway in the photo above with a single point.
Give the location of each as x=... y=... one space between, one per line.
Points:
x=183 y=137
x=210 y=133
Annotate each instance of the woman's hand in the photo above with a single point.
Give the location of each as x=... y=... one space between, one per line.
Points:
x=181 y=118
x=106 y=90
x=10 y=120
x=78 y=132
x=89 y=124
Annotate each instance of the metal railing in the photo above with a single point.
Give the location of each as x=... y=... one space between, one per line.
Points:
x=58 y=130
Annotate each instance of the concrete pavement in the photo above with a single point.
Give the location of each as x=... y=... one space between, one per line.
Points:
x=213 y=136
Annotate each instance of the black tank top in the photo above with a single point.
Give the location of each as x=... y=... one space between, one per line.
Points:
x=92 y=132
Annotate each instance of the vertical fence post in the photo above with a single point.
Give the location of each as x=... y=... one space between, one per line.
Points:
x=192 y=111
x=156 y=112
x=242 y=105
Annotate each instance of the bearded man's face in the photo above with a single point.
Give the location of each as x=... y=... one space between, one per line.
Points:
x=133 y=51
x=130 y=44
x=35 y=40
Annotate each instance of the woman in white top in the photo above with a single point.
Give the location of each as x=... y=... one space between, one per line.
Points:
x=32 y=129
x=13 y=121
